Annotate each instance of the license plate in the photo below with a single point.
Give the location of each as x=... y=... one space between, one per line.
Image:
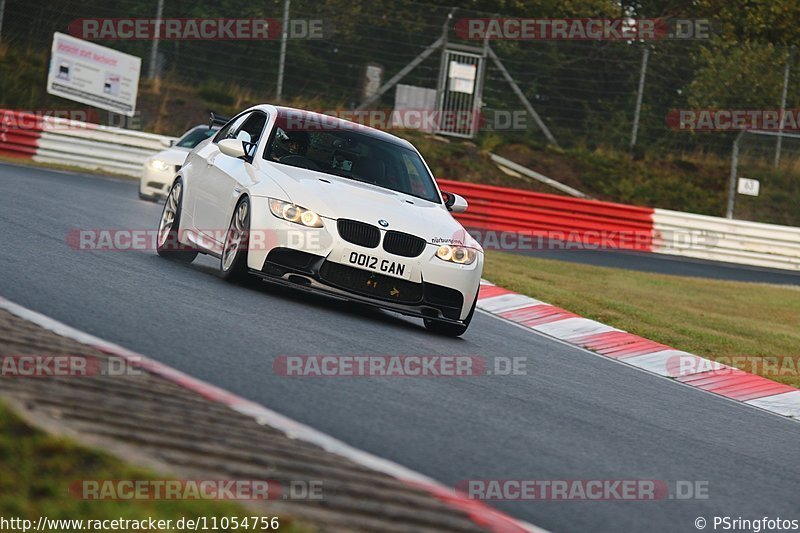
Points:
x=388 y=267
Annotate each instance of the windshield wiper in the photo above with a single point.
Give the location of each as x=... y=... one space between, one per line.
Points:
x=353 y=177
x=363 y=180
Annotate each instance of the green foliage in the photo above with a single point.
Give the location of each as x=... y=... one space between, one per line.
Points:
x=773 y=21
x=214 y=92
x=738 y=76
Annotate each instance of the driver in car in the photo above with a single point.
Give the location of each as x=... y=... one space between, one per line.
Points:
x=288 y=144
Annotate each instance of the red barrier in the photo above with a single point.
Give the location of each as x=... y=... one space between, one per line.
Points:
x=603 y=224
x=19 y=133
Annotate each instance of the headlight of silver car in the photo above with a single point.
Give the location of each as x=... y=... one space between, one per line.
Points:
x=294 y=213
x=460 y=255
x=158 y=164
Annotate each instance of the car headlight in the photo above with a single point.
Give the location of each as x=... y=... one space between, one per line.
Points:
x=158 y=164
x=295 y=213
x=460 y=255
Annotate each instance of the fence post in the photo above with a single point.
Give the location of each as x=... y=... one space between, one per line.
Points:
x=521 y=95
x=442 y=83
x=779 y=142
x=639 y=94
x=282 y=60
x=153 y=71
x=2 y=11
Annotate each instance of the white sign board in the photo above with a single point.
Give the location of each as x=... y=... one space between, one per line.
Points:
x=373 y=76
x=748 y=186
x=92 y=74
x=462 y=77
x=414 y=107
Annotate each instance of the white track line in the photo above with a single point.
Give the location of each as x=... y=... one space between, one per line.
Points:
x=757 y=404
x=265 y=416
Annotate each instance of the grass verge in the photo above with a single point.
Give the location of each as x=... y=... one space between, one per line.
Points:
x=720 y=320
x=37 y=470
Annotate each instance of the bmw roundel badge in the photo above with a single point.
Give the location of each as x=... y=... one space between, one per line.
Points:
x=383 y=223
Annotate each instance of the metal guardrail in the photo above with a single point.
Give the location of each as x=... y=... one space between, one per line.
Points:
x=80 y=144
x=626 y=227
x=722 y=239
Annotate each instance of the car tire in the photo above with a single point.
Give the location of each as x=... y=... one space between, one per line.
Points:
x=167 y=243
x=233 y=262
x=448 y=328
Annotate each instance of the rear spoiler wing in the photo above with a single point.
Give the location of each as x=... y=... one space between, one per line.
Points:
x=217 y=120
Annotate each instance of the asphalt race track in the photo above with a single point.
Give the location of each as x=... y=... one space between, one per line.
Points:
x=574 y=415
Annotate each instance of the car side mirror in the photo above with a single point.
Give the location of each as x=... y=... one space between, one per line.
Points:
x=454 y=202
x=232 y=147
x=169 y=143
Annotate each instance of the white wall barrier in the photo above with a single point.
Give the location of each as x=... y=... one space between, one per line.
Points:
x=97 y=147
x=722 y=239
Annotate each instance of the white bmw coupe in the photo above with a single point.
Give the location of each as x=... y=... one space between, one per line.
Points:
x=320 y=203
x=159 y=170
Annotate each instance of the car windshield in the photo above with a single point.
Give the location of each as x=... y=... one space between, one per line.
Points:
x=354 y=154
x=195 y=136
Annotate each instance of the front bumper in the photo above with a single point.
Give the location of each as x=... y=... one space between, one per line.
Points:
x=435 y=289
x=156 y=183
x=423 y=300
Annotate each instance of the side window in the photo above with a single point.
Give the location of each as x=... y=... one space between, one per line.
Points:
x=229 y=130
x=252 y=128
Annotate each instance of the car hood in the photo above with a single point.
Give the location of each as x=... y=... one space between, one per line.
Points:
x=172 y=156
x=338 y=197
